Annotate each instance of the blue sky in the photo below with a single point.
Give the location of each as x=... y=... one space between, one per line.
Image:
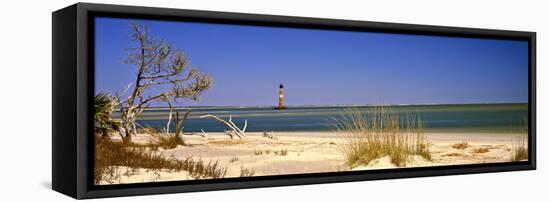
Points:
x=325 y=67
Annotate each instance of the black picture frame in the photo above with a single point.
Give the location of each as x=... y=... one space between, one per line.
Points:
x=73 y=88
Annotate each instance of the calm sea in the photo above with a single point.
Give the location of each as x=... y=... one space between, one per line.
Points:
x=483 y=118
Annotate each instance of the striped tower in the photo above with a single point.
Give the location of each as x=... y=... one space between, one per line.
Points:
x=281 y=97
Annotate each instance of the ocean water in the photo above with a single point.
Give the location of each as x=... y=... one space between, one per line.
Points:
x=482 y=118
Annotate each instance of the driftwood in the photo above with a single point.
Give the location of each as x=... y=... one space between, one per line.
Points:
x=269 y=135
x=204 y=134
x=235 y=131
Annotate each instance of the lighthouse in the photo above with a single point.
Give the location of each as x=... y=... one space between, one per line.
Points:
x=281 y=98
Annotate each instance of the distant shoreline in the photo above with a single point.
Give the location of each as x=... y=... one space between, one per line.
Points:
x=328 y=106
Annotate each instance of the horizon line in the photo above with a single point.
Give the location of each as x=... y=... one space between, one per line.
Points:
x=335 y=105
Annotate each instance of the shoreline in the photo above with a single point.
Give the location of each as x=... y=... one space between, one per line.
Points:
x=342 y=105
x=432 y=136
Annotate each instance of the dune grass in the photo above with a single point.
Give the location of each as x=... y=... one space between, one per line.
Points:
x=381 y=132
x=246 y=172
x=166 y=141
x=110 y=155
x=520 y=151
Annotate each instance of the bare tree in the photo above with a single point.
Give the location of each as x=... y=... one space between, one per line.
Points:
x=163 y=75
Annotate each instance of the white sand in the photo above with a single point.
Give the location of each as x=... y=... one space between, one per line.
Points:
x=312 y=152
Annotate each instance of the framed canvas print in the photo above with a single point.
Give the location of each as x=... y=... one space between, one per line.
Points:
x=154 y=100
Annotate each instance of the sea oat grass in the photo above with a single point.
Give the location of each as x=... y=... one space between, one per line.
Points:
x=519 y=149
x=381 y=132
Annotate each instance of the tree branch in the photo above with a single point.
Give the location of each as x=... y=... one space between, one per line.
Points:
x=235 y=130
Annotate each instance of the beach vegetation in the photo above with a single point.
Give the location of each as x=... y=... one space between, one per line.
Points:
x=104 y=105
x=381 y=132
x=234 y=159
x=201 y=170
x=283 y=152
x=156 y=140
x=519 y=149
x=519 y=143
x=481 y=150
x=166 y=141
x=258 y=152
x=460 y=145
x=247 y=172
x=110 y=155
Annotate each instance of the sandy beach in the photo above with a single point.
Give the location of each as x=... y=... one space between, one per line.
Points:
x=312 y=152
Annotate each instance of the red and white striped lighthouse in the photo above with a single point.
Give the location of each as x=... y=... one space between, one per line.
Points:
x=281 y=98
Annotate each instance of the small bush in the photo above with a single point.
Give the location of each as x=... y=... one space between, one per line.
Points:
x=460 y=145
x=245 y=172
x=481 y=150
x=258 y=152
x=104 y=105
x=166 y=141
x=234 y=159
